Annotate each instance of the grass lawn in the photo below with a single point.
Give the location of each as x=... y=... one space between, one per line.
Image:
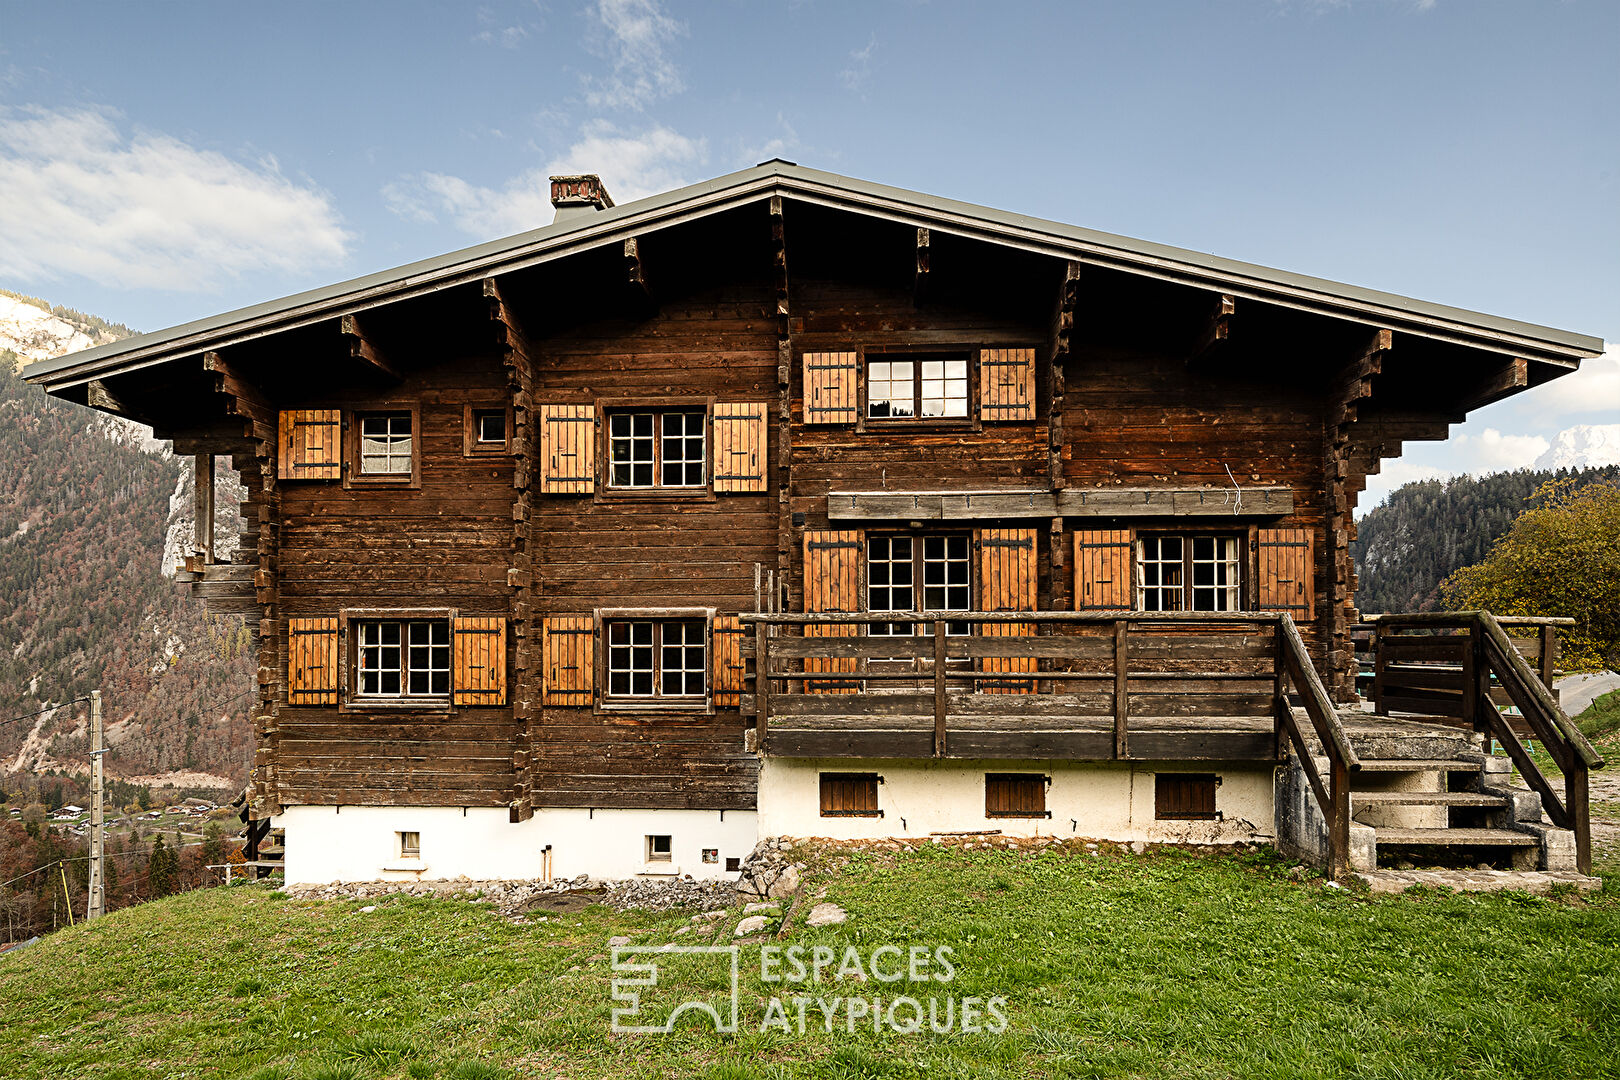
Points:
x=1164 y=964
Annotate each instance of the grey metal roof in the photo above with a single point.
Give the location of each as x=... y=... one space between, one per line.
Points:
x=793 y=181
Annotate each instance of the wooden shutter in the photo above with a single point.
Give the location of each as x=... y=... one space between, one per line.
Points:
x=312 y=661
x=1006 y=384
x=850 y=795
x=829 y=388
x=568 y=449
x=1102 y=570
x=739 y=447
x=310 y=445
x=832 y=582
x=1184 y=796
x=726 y=653
x=1007 y=582
x=569 y=655
x=478 y=661
x=1015 y=795
x=1285 y=573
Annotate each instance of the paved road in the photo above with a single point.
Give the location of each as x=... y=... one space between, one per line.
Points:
x=1576 y=692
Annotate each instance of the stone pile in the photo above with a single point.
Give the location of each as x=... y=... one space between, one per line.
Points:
x=512 y=898
x=770 y=872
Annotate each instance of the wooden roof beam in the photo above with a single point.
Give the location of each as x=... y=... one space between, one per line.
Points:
x=1216 y=332
x=635 y=276
x=100 y=396
x=921 y=281
x=508 y=327
x=364 y=348
x=779 y=268
x=1504 y=380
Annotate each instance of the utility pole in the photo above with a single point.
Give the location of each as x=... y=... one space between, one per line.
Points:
x=97 y=904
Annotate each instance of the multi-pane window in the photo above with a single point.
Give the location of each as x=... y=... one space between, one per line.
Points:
x=926 y=386
x=385 y=445
x=947 y=576
x=404 y=658
x=897 y=563
x=657 y=658
x=1188 y=573
x=890 y=580
x=657 y=449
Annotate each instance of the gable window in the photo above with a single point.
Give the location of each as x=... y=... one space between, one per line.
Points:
x=850 y=795
x=657 y=449
x=403 y=658
x=386 y=445
x=921 y=386
x=653 y=659
x=1187 y=573
x=927 y=572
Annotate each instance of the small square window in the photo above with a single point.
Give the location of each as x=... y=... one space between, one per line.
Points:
x=386 y=446
x=850 y=795
x=711 y=855
x=410 y=845
x=660 y=849
x=733 y=865
x=490 y=426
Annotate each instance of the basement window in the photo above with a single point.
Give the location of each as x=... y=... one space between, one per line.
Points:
x=1015 y=795
x=1185 y=796
x=410 y=845
x=660 y=849
x=850 y=795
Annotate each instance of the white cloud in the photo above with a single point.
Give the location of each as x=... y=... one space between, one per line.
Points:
x=506 y=31
x=631 y=166
x=1491 y=451
x=148 y=210
x=633 y=36
x=859 y=68
x=1594 y=388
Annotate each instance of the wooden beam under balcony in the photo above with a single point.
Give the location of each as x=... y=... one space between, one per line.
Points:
x=1233 y=502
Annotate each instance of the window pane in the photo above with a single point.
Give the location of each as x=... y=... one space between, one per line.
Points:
x=683 y=449
x=1215 y=573
x=944 y=387
x=630 y=658
x=890 y=389
x=1159 y=566
x=491 y=427
x=683 y=663
x=385 y=445
x=630 y=449
x=889 y=580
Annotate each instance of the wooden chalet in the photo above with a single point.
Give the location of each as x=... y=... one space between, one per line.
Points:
x=791 y=504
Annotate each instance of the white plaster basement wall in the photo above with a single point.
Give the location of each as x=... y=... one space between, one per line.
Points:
x=1099 y=800
x=361 y=843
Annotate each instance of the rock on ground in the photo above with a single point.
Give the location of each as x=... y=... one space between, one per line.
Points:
x=826 y=915
x=751 y=925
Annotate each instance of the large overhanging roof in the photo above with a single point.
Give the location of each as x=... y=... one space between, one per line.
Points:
x=1068 y=242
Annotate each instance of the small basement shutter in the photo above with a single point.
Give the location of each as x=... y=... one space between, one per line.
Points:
x=1102 y=570
x=1013 y=795
x=729 y=669
x=312 y=661
x=569 y=655
x=1007 y=582
x=568 y=449
x=310 y=445
x=850 y=795
x=1284 y=574
x=478 y=670
x=739 y=447
x=829 y=388
x=1006 y=384
x=1184 y=796
x=832 y=566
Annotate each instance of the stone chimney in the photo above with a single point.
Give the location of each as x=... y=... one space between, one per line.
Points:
x=574 y=196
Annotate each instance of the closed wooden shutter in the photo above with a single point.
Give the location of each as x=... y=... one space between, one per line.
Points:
x=832 y=582
x=478 y=663
x=850 y=795
x=1284 y=578
x=1007 y=582
x=1006 y=384
x=1184 y=796
x=568 y=449
x=829 y=388
x=1015 y=795
x=569 y=656
x=729 y=669
x=310 y=445
x=312 y=661
x=1102 y=570
x=739 y=447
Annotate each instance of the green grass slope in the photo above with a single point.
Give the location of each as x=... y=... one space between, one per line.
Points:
x=1119 y=965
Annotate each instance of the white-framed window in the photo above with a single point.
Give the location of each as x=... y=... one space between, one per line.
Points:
x=386 y=445
x=410 y=844
x=650 y=659
x=658 y=449
x=403 y=658
x=1177 y=572
x=929 y=387
x=923 y=572
x=660 y=849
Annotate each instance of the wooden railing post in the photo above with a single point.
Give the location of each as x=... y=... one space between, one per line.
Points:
x=1476 y=677
x=1339 y=822
x=939 y=688
x=1378 y=667
x=1122 y=697
x=762 y=681
x=1549 y=654
x=1578 y=800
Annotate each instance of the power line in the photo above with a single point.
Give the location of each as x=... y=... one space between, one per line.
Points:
x=108 y=855
x=42 y=712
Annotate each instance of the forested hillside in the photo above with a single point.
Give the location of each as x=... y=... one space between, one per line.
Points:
x=84 y=507
x=1428 y=529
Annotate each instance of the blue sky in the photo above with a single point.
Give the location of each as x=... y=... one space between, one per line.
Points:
x=161 y=162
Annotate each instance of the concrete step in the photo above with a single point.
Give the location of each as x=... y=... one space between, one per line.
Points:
x=1426 y=798
x=1456 y=837
x=1418 y=765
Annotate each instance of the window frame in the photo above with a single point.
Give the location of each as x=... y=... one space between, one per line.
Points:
x=402 y=850
x=608 y=702
x=876 y=779
x=919 y=561
x=868 y=354
x=350 y=700
x=353 y=420
x=471 y=446
x=650 y=854
x=1240 y=589
x=607 y=491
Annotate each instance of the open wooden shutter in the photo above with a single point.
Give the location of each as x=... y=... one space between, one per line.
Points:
x=1006 y=384
x=310 y=445
x=1284 y=574
x=729 y=669
x=478 y=664
x=739 y=447
x=312 y=661
x=569 y=655
x=1008 y=581
x=568 y=449
x=1102 y=570
x=829 y=388
x=832 y=582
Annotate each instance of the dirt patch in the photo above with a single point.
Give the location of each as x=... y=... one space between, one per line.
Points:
x=565 y=903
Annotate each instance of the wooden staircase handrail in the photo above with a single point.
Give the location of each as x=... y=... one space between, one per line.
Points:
x=1318 y=706
x=1533 y=698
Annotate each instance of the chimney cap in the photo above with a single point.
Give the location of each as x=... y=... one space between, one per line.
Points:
x=582 y=189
